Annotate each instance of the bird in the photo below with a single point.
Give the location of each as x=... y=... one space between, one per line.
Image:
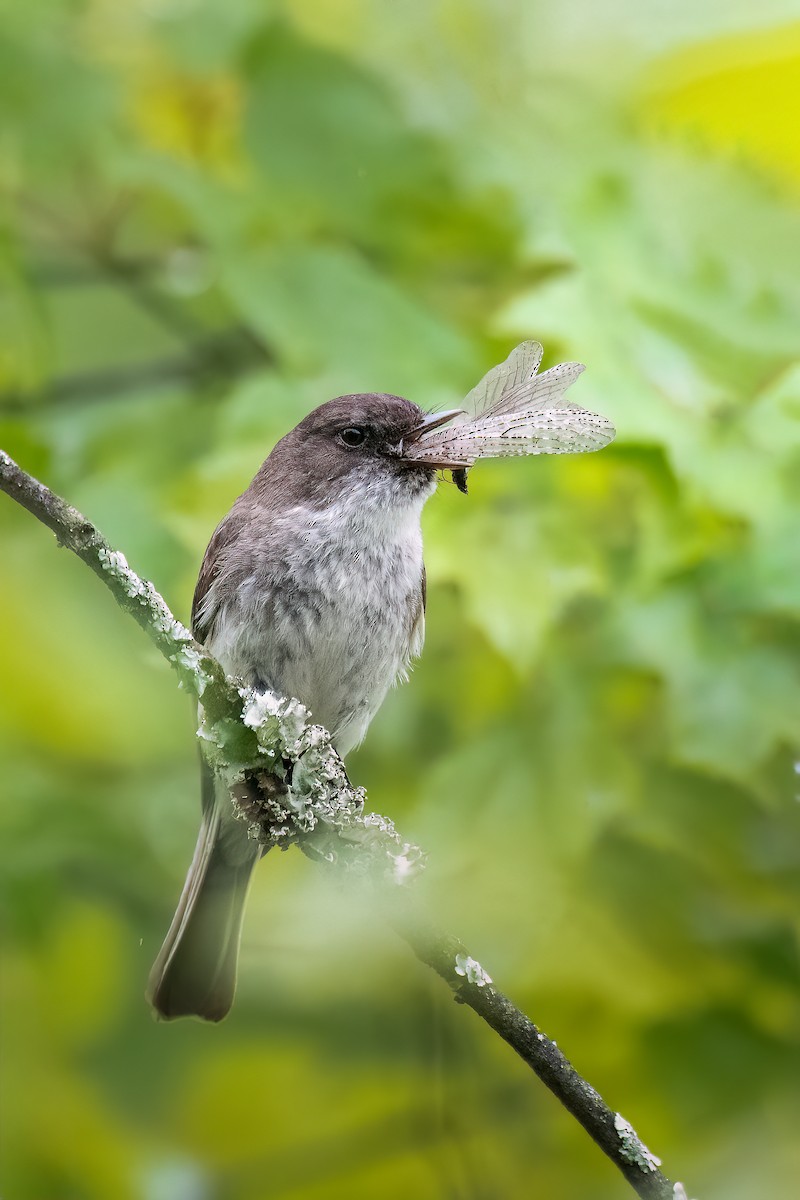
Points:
x=313 y=586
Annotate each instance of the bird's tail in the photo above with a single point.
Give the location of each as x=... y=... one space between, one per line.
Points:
x=195 y=972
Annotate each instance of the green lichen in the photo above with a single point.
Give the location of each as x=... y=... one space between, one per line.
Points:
x=633 y=1149
x=306 y=797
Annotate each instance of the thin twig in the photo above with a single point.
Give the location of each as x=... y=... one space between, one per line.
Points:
x=94 y=240
x=446 y=955
x=221 y=357
x=95 y=244
x=66 y=273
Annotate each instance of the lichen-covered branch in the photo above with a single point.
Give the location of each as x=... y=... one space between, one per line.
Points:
x=472 y=986
x=138 y=597
x=265 y=737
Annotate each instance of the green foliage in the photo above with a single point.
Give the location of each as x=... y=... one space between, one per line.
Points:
x=214 y=218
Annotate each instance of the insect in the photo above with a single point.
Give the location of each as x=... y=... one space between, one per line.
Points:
x=515 y=411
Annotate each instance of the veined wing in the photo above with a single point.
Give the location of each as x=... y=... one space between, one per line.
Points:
x=524 y=413
x=565 y=430
x=518 y=369
x=541 y=392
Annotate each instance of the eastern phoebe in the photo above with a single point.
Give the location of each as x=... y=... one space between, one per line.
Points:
x=313 y=586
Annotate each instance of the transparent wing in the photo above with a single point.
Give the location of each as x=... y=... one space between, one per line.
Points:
x=519 y=412
x=519 y=368
x=543 y=391
x=565 y=430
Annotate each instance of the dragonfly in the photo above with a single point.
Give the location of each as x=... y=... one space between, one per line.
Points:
x=514 y=411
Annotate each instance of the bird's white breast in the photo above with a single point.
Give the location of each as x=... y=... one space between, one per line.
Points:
x=332 y=610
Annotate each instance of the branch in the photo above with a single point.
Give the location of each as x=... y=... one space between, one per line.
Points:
x=247 y=734
x=220 y=352
x=221 y=356
x=208 y=352
x=136 y=596
x=449 y=958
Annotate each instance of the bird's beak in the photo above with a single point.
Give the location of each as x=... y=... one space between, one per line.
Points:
x=428 y=422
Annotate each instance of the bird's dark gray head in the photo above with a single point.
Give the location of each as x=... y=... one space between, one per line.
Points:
x=355 y=444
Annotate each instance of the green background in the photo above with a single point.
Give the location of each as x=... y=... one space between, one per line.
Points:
x=216 y=216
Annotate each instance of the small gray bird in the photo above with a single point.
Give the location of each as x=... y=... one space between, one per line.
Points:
x=313 y=586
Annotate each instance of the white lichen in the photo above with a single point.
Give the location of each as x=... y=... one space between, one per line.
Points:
x=633 y=1149
x=472 y=970
x=679 y=1192
x=135 y=588
x=407 y=863
x=277 y=721
x=115 y=562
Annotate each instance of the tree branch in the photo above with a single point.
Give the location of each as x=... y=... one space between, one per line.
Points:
x=257 y=736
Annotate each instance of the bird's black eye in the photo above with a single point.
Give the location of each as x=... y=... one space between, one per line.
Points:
x=353 y=436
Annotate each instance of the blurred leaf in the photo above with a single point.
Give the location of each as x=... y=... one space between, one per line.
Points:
x=340 y=149
x=722 y=92
x=598 y=748
x=319 y=305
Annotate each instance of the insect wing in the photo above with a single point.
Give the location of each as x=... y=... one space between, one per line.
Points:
x=517 y=412
x=518 y=369
x=541 y=392
x=565 y=430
